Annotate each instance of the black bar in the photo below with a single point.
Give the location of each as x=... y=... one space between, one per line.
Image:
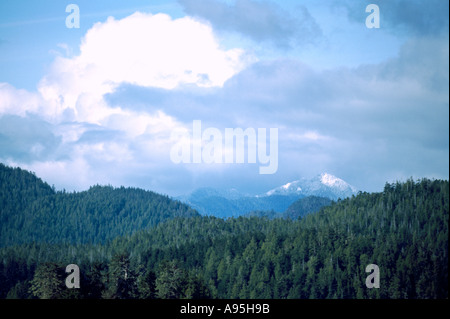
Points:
x=168 y=309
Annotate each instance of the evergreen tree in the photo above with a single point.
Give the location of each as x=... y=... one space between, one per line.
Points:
x=171 y=281
x=48 y=281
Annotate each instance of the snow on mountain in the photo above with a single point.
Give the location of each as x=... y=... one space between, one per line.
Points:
x=333 y=181
x=231 y=202
x=324 y=185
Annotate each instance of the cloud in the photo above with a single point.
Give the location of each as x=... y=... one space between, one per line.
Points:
x=405 y=17
x=141 y=49
x=18 y=102
x=68 y=123
x=260 y=21
x=390 y=118
x=27 y=139
x=423 y=59
x=106 y=115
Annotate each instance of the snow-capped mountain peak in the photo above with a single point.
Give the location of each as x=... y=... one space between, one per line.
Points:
x=329 y=179
x=286 y=186
x=231 y=202
x=333 y=181
x=325 y=185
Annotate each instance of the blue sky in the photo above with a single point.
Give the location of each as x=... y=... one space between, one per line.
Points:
x=100 y=104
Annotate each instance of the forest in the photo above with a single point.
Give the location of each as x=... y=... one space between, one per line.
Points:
x=32 y=211
x=134 y=244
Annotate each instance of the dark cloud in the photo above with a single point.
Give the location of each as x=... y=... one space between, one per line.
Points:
x=26 y=139
x=99 y=135
x=390 y=118
x=260 y=21
x=406 y=17
x=422 y=59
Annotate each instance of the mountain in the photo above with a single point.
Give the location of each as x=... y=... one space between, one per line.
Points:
x=323 y=185
x=32 y=211
x=403 y=229
x=228 y=203
x=305 y=206
x=299 y=208
x=232 y=203
x=203 y=193
x=19 y=188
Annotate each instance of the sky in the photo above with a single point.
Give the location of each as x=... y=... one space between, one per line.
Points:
x=108 y=102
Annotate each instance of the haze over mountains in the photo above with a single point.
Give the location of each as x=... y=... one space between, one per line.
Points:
x=227 y=203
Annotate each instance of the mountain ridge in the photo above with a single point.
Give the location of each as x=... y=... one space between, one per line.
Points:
x=32 y=211
x=323 y=185
x=226 y=203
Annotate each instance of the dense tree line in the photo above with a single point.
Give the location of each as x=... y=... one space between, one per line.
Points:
x=32 y=211
x=404 y=230
x=300 y=208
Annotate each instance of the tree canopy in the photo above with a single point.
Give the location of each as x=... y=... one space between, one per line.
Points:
x=158 y=248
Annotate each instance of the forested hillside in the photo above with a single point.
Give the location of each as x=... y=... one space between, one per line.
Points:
x=404 y=230
x=31 y=211
x=18 y=189
x=298 y=209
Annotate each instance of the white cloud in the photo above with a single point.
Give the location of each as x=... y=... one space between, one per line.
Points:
x=141 y=49
x=18 y=102
x=308 y=136
x=385 y=117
